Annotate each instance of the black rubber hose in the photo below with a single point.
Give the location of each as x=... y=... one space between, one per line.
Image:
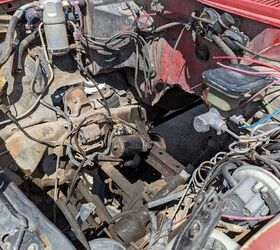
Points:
x=73 y=223
x=269 y=58
x=23 y=45
x=225 y=171
x=8 y=44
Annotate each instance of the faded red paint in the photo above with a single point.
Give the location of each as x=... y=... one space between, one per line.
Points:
x=6 y=1
x=182 y=68
x=266 y=238
x=267 y=11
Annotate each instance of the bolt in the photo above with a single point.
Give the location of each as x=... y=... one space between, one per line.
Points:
x=257 y=187
x=13 y=167
x=259 y=115
x=194 y=231
x=246 y=211
x=33 y=246
x=264 y=190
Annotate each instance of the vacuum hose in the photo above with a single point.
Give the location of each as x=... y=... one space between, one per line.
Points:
x=8 y=44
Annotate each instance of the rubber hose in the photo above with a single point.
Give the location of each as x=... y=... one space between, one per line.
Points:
x=225 y=171
x=23 y=45
x=223 y=46
x=8 y=43
x=9 y=39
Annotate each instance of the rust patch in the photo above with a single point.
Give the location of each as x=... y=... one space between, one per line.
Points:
x=2 y=81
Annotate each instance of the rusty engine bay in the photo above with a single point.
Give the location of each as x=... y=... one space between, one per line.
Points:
x=84 y=84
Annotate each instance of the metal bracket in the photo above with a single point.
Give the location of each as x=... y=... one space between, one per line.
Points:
x=156 y=6
x=202 y=222
x=85 y=210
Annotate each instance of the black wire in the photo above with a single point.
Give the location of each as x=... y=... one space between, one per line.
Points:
x=74 y=180
x=257 y=54
x=14 y=120
x=116 y=39
x=82 y=152
x=136 y=71
x=85 y=71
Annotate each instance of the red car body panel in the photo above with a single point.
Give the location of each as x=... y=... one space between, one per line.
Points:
x=260 y=20
x=267 y=11
x=182 y=68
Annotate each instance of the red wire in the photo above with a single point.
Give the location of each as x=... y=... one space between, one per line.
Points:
x=258 y=93
x=247 y=59
x=248 y=218
x=249 y=72
x=144 y=25
x=148 y=15
x=235 y=217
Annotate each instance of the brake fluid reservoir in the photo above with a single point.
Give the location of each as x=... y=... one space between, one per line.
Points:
x=55 y=27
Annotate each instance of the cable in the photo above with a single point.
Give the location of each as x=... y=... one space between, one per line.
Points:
x=35 y=74
x=182 y=198
x=247 y=59
x=257 y=54
x=92 y=158
x=258 y=93
x=113 y=41
x=203 y=20
x=50 y=80
x=225 y=48
x=73 y=182
x=272 y=164
x=255 y=73
x=78 y=11
x=169 y=26
x=85 y=71
x=235 y=217
x=263 y=120
x=13 y=120
x=136 y=70
x=248 y=218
